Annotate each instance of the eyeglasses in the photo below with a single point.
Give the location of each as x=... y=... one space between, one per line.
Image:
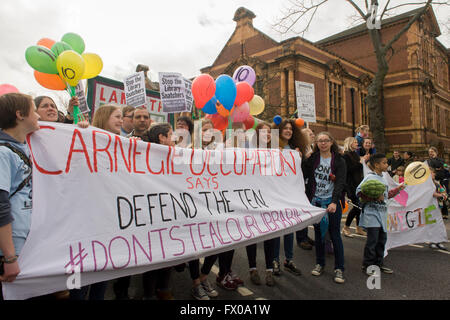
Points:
x=323 y=141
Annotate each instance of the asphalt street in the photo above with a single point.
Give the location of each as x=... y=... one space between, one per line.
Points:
x=419 y=273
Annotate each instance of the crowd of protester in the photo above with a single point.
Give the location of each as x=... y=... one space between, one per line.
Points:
x=333 y=176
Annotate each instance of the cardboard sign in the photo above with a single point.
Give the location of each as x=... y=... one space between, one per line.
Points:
x=176 y=94
x=135 y=89
x=306 y=103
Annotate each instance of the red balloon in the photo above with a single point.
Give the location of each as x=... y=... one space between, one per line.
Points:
x=220 y=123
x=203 y=89
x=7 y=88
x=299 y=122
x=244 y=94
x=49 y=81
x=249 y=122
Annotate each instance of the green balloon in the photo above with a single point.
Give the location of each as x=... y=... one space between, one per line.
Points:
x=75 y=41
x=60 y=47
x=41 y=59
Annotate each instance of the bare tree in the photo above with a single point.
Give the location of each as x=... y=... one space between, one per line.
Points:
x=305 y=11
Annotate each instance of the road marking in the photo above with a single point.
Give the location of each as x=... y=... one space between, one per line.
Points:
x=244 y=291
x=358 y=235
x=443 y=251
x=261 y=299
x=215 y=270
x=415 y=246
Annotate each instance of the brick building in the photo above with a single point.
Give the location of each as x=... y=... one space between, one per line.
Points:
x=416 y=92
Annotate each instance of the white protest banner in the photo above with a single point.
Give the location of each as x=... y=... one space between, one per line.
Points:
x=111 y=206
x=306 y=102
x=134 y=86
x=107 y=91
x=176 y=95
x=414 y=216
x=82 y=102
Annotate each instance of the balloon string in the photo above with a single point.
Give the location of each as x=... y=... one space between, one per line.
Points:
x=76 y=109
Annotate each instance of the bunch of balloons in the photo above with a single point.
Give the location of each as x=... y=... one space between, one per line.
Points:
x=58 y=65
x=228 y=99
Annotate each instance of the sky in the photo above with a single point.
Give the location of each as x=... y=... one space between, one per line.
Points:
x=168 y=36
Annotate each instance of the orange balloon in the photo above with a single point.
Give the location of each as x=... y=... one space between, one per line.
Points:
x=49 y=81
x=223 y=111
x=46 y=42
x=299 y=122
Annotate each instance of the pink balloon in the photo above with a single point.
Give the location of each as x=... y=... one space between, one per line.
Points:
x=7 y=88
x=241 y=113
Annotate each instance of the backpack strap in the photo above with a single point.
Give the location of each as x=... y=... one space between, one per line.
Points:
x=25 y=159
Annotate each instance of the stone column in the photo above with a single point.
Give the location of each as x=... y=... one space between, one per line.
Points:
x=291 y=91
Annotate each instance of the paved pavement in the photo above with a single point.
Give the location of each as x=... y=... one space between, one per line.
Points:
x=419 y=273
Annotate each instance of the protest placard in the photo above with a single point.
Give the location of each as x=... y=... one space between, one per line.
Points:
x=134 y=86
x=306 y=103
x=175 y=90
x=108 y=91
x=82 y=102
x=133 y=206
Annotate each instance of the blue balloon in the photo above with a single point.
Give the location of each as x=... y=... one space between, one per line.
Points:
x=210 y=106
x=226 y=91
x=277 y=120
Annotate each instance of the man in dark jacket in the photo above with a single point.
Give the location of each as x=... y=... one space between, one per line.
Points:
x=395 y=162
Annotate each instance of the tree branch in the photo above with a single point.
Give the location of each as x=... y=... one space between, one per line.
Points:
x=357 y=8
x=294 y=14
x=385 y=8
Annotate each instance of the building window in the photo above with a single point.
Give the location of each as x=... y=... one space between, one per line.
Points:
x=438 y=120
x=335 y=101
x=429 y=113
x=364 y=109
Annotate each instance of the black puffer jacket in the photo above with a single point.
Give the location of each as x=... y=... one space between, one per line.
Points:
x=354 y=173
x=338 y=169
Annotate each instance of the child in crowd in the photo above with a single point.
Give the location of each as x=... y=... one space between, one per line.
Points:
x=17 y=119
x=362 y=132
x=399 y=174
x=374 y=215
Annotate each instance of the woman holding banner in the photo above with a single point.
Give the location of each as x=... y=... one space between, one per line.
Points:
x=325 y=174
x=263 y=138
x=201 y=287
x=290 y=138
x=47 y=110
x=109 y=118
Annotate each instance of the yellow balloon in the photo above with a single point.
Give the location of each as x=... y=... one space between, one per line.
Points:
x=416 y=173
x=70 y=66
x=93 y=65
x=256 y=105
